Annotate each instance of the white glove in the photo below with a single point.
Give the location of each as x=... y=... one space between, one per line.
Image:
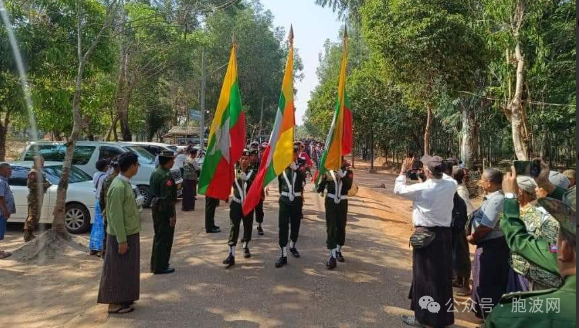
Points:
x=243 y=176
x=341 y=173
x=293 y=166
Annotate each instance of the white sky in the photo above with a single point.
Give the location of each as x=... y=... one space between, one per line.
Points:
x=312 y=26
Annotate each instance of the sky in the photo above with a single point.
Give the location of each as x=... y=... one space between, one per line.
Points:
x=312 y=26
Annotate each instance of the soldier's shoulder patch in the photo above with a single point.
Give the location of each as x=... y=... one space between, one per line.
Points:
x=169 y=182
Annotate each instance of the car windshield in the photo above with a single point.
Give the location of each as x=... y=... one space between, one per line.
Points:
x=144 y=156
x=173 y=148
x=53 y=174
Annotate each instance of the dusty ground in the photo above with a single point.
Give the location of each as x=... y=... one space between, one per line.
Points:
x=369 y=290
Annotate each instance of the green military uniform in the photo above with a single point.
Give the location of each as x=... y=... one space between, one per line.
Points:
x=291 y=186
x=337 y=184
x=35 y=200
x=241 y=185
x=545 y=308
x=540 y=225
x=210 y=206
x=164 y=197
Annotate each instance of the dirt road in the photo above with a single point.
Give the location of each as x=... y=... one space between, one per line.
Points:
x=369 y=290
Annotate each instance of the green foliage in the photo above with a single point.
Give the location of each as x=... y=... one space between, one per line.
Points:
x=451 y=55
x=424 y=45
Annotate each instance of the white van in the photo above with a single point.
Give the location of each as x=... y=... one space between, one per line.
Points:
x=87 y=153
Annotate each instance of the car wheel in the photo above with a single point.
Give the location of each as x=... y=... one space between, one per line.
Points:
x=146 y=193
x=77 y=218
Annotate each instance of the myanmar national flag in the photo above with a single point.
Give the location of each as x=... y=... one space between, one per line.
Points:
x=226 y=138
x=339 y=140
x=279 y=153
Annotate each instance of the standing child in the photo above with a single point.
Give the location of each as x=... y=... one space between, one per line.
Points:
x=98 y=227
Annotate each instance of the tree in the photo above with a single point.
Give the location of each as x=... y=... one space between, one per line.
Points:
x=418 y=42
x=83 y=56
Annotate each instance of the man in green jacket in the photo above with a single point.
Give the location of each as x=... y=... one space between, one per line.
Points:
x=551 y=307
x=119 y=285
x=164 y=197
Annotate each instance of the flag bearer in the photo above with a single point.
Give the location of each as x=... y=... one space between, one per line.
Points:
x=254 y=160
x=244 y=176
x=337 y=184
x=291 y=202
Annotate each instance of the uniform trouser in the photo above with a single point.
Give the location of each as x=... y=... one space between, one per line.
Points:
x=336 y=215
x=34 y=212
x=290 y=217
x=235 y=217
x=259 y=215
x=162 y=242
x=210 y=205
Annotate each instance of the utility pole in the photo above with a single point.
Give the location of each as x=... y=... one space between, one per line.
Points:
x=202 y=103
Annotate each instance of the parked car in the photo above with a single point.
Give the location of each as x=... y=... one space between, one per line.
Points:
x=80 y=197
x=143 y=151
x=87 y=153
x=154 y=148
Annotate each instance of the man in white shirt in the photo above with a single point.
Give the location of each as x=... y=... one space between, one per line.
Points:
x=432 y=263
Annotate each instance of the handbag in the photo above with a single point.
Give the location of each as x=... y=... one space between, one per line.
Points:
x=422 y=237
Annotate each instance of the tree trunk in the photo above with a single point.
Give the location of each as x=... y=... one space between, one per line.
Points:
x=3 y=135
x=427 y=129
x=518 y=124
x=466 y=145
x=58 y=225
x=124 y=114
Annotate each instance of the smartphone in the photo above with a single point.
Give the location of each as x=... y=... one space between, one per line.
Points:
x=528 y=168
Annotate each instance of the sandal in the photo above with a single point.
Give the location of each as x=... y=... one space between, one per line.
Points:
x=123 y=310
x=4 y=255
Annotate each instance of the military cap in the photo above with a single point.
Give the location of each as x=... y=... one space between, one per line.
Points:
x=246 y=152
x=563 y=211
x=167 y=154
x=254 y=152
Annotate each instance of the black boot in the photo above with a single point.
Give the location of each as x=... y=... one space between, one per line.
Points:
x=281 y=262
x=340 y=257
x=229 y=261
x=260 y=230
x=246 y=253
x=294 y=252
x=332 y=264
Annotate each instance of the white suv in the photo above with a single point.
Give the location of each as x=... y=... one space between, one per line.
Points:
x=80 y=196
x=87 y=153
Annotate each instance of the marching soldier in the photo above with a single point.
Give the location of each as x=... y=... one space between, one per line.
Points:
x=35 y=197
x=554 y=307
x=259 y=215
x=291 y=202
x=244 y=176
x=164 y=197
x=337 y=183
